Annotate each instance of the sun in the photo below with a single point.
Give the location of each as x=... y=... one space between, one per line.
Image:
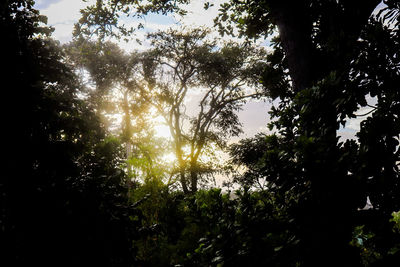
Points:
x=162 y=130
x=169 y=158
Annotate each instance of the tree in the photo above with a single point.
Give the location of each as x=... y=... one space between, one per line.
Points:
x=328 y=57
x=101 y=19
x=112 y=90
x=108 y=71
x=62 y=197
x=182 y=63
x=335 y=55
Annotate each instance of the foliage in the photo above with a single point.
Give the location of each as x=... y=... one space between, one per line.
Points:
x=66 y=200
x=369 y=242
x=211 y=227
x=63 y=199
x=113 y=90
x=178 y=65
x=396 y=220
x=334 y=70
x=182 y=63
x=101 y=19
x=251 y=229
x=363 y=240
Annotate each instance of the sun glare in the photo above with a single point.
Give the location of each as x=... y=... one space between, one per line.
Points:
x=162 y=130
x=169 y=158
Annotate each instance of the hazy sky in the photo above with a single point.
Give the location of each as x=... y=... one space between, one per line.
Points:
x=62 y=14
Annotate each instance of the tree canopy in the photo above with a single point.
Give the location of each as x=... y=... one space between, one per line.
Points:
x=76 y=191
x=60 y=174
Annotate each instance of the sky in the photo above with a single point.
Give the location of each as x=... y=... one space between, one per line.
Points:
x=62 y=14
x=254 y=117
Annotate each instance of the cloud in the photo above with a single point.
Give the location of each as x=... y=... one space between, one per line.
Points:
x=160 y=19
x=62 y=15
x=43 y=4
x=254 y=117
x=346 y=134
x=197 y=16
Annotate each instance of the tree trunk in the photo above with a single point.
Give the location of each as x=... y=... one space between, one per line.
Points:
x=295 y=33
x=183 y=182
x=182 y=167
x=326 y=218
x=193 y=177
x=127 y=126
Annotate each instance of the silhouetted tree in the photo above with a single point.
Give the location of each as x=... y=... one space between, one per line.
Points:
x=62 y=200
x=336 y=56
x=183 y=63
